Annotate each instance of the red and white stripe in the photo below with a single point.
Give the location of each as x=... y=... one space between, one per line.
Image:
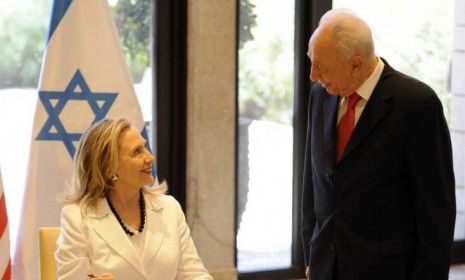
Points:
x=5 y=262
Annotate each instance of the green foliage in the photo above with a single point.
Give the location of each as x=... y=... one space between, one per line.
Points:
x=433 y=62
x=429 y=58
x=265 y=70
x=247 y=21
x=22 y=43
x=266 y=90
x=23 y=32
x=134 y=20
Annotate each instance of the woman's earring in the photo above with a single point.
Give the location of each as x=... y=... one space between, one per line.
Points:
x=114 y=177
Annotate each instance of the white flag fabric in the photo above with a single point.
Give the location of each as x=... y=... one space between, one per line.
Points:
x=5 y=263
x=84 y=78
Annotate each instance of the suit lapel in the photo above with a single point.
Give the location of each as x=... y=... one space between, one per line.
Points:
x=329 y=126
x=376 y=108
x=156 y=229
x=108 y=228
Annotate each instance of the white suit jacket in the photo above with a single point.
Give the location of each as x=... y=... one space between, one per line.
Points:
x=97 y=244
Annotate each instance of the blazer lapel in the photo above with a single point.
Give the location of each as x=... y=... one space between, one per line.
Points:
x=376 y=108
x=156 y=229
x=329 y=127
x=108 y=228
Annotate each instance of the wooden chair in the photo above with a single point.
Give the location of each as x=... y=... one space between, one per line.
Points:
x=47 y=245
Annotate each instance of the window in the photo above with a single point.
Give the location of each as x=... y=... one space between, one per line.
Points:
x=273 y=87
x=265 y=135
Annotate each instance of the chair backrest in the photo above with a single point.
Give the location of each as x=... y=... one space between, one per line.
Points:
x=47 y=245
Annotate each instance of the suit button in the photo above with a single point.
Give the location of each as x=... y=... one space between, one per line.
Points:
x=336 y=211
x=328 y=177
x=332 y=247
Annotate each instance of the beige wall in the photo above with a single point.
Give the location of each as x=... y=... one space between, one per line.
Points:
x=211 y=91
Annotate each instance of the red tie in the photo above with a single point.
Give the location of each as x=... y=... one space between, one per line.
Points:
x=346 y=124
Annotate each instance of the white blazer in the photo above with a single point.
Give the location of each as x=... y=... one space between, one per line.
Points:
x=97 y=244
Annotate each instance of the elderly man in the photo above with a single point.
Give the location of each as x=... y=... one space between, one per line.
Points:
x=378 y=195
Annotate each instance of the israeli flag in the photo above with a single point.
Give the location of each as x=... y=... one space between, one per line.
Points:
x=84 y=78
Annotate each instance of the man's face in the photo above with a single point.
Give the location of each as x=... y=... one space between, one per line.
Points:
x=328 y=67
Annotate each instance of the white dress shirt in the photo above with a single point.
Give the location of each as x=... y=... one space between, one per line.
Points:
x=365 y=91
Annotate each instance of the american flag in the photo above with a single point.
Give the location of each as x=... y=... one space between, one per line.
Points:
x=5 y=263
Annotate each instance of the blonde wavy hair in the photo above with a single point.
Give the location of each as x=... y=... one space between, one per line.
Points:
x=95 y=161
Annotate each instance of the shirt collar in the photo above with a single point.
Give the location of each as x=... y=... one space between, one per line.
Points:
x=366 y=89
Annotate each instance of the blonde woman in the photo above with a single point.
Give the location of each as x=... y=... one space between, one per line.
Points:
x=114 y=226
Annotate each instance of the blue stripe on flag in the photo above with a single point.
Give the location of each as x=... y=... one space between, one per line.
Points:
x=58 y=11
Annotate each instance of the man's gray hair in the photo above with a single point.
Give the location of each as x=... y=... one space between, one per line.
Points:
x=351 y=34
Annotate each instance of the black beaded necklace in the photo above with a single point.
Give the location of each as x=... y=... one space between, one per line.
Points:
x=142 y=216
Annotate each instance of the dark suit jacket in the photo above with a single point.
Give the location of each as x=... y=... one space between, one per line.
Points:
x=386 y=210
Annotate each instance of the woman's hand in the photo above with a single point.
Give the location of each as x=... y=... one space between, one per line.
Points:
x=105 y=276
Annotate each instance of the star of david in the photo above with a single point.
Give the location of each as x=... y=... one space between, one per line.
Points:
x=53 y=129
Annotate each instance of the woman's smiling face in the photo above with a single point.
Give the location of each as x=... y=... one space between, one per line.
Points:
x=134 y=160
